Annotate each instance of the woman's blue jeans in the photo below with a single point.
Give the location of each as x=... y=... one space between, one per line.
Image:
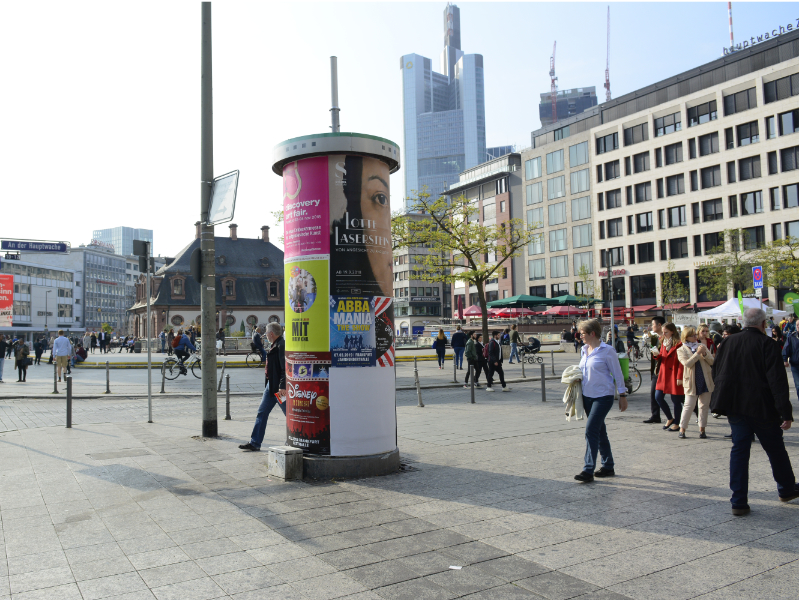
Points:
x=440 y=356
x=677 y=403
x=596 y=436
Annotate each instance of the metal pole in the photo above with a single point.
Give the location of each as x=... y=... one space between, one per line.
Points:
x=455 y=378
x=472 y=383
x=221 y=375
x=544 y=396
x=55 y=373
x=522 y=362
x=611 y=299
x=552 y=362
x=108 y=380
x=148 y=334
x=227 y=397
x=334 y=96
x=207 y=294
x=416 y=382
x=69 y=401
x=163 y=379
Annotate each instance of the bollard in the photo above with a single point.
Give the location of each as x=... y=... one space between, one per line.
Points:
x=472 y=383
x=522 y=362
x=55 y=377
x=455 y=377
x=163 y=379
x=69 y=401
x=552 y=362
x=108 y=380
x=219 y=385
x=227 y=397
x=416 y=382
x=544 y=397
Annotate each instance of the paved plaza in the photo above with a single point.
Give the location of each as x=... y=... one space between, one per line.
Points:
x=118 y=508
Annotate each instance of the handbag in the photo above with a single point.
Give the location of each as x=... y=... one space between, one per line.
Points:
x=28 y=361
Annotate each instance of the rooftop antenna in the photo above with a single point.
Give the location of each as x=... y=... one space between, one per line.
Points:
x=730 y=23
x=334 y=96
x=553 y=79
x=607 y=84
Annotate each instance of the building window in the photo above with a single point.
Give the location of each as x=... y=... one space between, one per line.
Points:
x=678 y=248
x=702 y=113
x=643 y=192
x=581 y=236
x=739 y=102
x=555 y=162
x=787 y=122
x=675 y=185
x=177 y=287
x=613 y=198
x=777 y=232
x=558 y=240
x=581 y=208
x=673 y=153
x=790 y=196
x=628 y=194
x=229 y=288
x=617 y=257
x=710 y=177
x=627 y=165
x=599 y=173
x=754 y=237
x=662 y=219
x=176 y=320
x=558 y=289
x=557 y=213
x=712 y=210
x=602 y=229
x=535 y=218
x=695 y=213
x=615 y=227
x=732 y=172
x=692 y=148
x=709 y=144
x=537 y=290
x=559 y=266
x=555 y=188
x=770 y=121
x=611 y=169
x=677 y=216
x=607 y=143
x=579 y=154
x=792 y=229
x=713 y=243
x=636 y=134
x=660 y=188
x=644 y=222
x=775 y=198
x=693 y=180
x=749 y=168
x=789 y=159
x=536 y=269
x=668 y=124
x=733 y=206
x=500 y=186
x=646 y=252
x=533 y=193
x=780 y=89
x=751 y=203
x=273 y=289
x=641 y=162
x=659 y=162
x=533 y=168
x=489 y=212
x=747 y=133
x=662 y=250
x=600 y=205
x=582 y=259
x=537 y=245
x=772 y=163
x=579 y=181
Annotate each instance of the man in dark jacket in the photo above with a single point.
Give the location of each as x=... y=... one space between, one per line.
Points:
x=496 y=363
x=751 y=388
x=275 y=385
x=459 y=341
x=790 y=348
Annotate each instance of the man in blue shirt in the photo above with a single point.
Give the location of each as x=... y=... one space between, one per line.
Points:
x=183 y=347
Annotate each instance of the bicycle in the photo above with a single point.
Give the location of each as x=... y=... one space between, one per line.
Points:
x=254 y=358
x=634 y=351
x=172 y=367
x=634 y=381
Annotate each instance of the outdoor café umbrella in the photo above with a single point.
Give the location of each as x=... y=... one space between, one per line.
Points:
x=568 y=299
x=519 y=301
x=564 y=311
x=515 y=312
x=473 y=311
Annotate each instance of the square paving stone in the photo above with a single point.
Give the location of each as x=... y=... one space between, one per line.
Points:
x=427 y=563
x=556 y=586
x=157 y=558
x=511 y=568
x=302 y=568
x=370 y=535
x=504 y=592
x=249 y=579
x=69 y=591
x=415 y=589
x=169 y=574
x=35 y=580
x=398 y=547
x=411 y=526
x=350 y=558
x=441 y=538
x=326 y=587
x=196 y=589
x=382 y=573
x=278 y=592
x=226 y=563
x=473 y=552
x=468 y=580
x=94 y=589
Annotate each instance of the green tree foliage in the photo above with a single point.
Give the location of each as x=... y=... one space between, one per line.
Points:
x=729 y=267
x=779 y=262
x=672 y=289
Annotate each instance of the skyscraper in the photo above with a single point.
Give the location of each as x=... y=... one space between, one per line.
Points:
x=122 y=238
x=444 y=121
x=568 y=103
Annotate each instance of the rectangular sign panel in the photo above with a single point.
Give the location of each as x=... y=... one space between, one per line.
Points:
x=307 y=305
x=22 y=246
x=308 y=422
x=758 y=278
x=305 y=207
x=6 y=300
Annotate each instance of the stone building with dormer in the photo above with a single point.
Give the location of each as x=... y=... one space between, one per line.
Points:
x=249 y=287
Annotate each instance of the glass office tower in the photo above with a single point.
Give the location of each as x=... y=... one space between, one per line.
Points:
x=444 y=120
x=122 y=238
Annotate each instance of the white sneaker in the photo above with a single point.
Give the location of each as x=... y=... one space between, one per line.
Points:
x=488 y=389
x=506 y=389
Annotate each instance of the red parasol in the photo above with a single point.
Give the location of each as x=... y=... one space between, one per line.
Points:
x=514 y=312
x=564 y=311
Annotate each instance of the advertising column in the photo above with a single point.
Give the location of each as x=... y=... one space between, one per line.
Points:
x=6 y=300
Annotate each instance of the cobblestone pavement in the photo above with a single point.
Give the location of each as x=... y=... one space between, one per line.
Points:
x=118 y=508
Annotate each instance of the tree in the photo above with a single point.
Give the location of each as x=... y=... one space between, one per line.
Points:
x=278 y=216
x=106 y=327
x=778 y=260
x=587 y=284
x=460 y=247
x=729 y=267
x=672 y=289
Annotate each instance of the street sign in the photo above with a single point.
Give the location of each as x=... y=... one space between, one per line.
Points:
x=223 y=198
x=758 y=292
x=758 y=278
x=36 y=246
x=686 y=319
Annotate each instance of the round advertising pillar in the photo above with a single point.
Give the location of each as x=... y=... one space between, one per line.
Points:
x=340 y=377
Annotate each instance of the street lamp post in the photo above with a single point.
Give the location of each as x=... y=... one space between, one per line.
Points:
x=46 y=297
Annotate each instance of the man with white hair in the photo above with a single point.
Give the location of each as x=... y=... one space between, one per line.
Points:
x=751 y=388
x=275 y=385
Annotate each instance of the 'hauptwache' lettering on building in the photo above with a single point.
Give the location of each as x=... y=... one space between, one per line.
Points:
x=761 y=38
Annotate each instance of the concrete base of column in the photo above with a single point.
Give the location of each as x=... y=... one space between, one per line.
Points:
x=350 y=467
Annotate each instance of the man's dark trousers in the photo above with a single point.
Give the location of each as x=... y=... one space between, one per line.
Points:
x=655 y=411
x=498 y=368
x=268 y=402
x=771 y=437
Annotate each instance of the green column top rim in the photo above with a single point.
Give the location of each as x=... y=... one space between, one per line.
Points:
x=351 y=143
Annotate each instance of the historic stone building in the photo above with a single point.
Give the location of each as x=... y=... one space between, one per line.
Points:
x=249 y=286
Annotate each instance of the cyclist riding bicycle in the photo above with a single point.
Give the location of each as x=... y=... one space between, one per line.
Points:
x=631 y=337
x=258 y=343
x=181 y=350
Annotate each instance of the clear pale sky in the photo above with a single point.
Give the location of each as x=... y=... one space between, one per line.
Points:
x=100 y=120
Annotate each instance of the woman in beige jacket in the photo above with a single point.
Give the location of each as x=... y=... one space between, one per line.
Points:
x=696 y=359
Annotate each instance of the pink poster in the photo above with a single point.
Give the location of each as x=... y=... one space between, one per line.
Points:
x=6 y=300
x=305 y=208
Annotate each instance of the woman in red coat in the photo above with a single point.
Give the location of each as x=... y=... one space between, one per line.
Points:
x=670 y=376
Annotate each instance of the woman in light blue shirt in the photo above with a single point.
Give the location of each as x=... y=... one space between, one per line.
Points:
x=601 y=376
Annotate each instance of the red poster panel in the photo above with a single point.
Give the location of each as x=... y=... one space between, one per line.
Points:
x=307 y=406
x=6 y=300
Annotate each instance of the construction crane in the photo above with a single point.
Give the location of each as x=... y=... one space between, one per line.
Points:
x=607 y=84
x=553 y=79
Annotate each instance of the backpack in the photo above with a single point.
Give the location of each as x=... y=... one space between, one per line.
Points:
x=176 y=341
x=486 y=350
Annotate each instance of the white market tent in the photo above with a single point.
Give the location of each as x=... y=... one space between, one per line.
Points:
x=730 y=310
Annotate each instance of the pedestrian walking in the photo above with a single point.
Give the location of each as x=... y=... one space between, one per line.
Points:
x=221 y=340
x=38 y=348
x=578 y=340
x=495 y=355
x=62 y=351
x=515 y=341
x=482 y=362
x=789 y=353
x=459 y=341
x=10 y=347
x=274 y=389
x=601 y=378
x=670 y=376
x=752 y=389
x=696 y=358
x=3 y=350
x=170 y=337
x=704 y=337
x=93 y=342
x=21 y=360
x=163 y=338
x=440 y=345
x=473 y=352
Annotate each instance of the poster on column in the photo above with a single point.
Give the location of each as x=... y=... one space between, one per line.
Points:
x=352 y=332
x=360 y=226
x=306 y=304
x=384 y=331
x=305 y=207
x=308 y=423
x=6 y=300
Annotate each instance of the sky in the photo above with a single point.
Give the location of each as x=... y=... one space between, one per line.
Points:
x=100 y=119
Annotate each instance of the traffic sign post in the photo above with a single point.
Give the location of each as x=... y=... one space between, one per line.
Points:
x=758 y=280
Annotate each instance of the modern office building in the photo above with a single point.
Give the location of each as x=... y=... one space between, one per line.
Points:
x=655 y=177
x=568 y=104
x=121 y=238
x=444 y=123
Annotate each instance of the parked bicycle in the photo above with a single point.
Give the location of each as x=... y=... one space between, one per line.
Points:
x=172 y=367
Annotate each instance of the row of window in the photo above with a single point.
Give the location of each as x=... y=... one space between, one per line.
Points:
x=416 y=291
x=554 y=161
x=557 y=213
x=559 y=266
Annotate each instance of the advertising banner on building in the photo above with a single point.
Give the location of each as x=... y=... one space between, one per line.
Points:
x=6 y=300
x=307 y=304
x=308 y=422
x=305 y=207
